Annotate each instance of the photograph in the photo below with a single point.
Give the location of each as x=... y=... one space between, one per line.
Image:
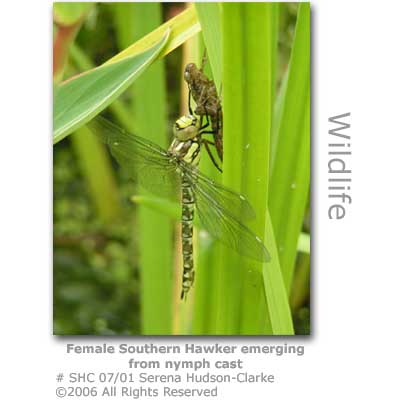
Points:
x=181 y=169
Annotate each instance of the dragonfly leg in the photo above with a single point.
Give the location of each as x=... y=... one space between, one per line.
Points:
x=202 y=127
x=218 y=135
x=218 y=142
x=190 y=102
x=206 y=144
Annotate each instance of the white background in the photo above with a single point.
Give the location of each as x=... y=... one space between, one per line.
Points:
x=357 y=357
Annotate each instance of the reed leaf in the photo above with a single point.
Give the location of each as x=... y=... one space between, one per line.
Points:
x=148 y=109
x=289 y=179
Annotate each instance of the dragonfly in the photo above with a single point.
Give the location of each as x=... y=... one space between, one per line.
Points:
x=164 y=172
x=204 y=92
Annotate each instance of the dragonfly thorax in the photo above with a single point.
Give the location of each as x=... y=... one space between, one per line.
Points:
x=186 y=141
x=186 y=128
x=188 y=151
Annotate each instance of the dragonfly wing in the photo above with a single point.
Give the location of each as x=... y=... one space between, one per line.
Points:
x=225 y=198
x=224 y=226
x=147 y=163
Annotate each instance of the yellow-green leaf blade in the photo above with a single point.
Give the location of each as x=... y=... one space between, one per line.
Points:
x=78 y=100
x=210 y=20
x=182 y=27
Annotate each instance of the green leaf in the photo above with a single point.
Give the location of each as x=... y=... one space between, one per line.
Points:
x=158 y=204
x=148 y=106
x=275 y=291
x=257 y=69
x=95 y=164
x=182 y=27
x=290 y=176
x=118 y=107
x=78 y=100
x=252 y=298
x=227 y=282
x=247 y=75
x=209 y=17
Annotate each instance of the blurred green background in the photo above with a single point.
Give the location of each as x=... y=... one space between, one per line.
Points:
x=97 y=288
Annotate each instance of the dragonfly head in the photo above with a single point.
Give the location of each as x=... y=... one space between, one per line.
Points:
x=190 y=72
x=186 y=128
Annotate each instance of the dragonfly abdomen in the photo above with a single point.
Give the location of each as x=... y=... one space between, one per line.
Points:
x=188 y=209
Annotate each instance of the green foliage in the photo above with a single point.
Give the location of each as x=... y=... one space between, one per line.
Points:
x=209 y=17
x=133 y=21
x=290 y=176
x=245 y=297
x=78 y=100
x=81 y=98
x=116 y=271
x=95 y=164
x=95 y=288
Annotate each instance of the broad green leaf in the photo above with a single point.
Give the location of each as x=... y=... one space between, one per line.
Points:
x=290 y=176
x=79 y=99
x=210 y=20
x=246 y=68
x=257 y=62
x=182 y=27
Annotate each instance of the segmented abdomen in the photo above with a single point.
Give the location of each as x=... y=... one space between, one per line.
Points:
x=188 y=206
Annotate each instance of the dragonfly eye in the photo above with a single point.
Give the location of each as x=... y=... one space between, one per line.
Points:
x=190 y=69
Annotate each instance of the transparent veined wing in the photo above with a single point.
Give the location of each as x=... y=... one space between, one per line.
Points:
x=220 y=209
x=226 y=199
x=147 y=163
x=224 y=226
